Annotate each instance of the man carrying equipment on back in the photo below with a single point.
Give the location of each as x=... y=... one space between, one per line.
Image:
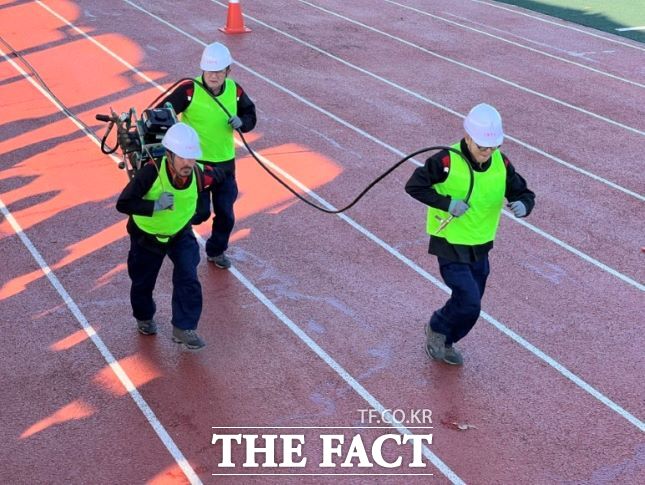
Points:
x=161 y=201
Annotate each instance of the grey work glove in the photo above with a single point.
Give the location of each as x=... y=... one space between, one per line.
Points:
x=457 y=207
x=235 y=122
x=518 y=208
x=165 y=201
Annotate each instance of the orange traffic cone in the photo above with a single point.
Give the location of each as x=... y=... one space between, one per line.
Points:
x=234 y=19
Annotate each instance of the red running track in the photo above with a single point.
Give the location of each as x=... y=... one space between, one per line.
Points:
x=363 y=299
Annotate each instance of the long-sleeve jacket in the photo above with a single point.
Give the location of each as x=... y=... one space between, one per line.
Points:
x=434 y=171
x=182 y=96
x=131 y=201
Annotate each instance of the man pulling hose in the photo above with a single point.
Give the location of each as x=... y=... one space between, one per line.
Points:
x=473 y=196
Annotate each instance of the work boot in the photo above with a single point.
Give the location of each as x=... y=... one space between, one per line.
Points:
x=147 y=327
x=453 y=356
x=435 y=343
x=221 y=261
x=189 y=338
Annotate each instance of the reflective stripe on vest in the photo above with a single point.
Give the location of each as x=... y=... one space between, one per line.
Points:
x=479 y=223
x=166 y=223
x=211 y=122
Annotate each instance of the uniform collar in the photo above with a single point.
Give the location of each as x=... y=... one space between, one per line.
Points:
x=475 y=166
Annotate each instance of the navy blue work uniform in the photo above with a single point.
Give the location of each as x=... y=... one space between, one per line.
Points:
x=147 y=252
x=464 y=268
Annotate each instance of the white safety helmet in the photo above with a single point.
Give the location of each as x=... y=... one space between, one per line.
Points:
x=484 y=125
x=215 y=57
x=182 y=140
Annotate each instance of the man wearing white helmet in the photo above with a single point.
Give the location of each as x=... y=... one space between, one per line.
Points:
x=161 y=201
x=194 y=100
x=471 y=194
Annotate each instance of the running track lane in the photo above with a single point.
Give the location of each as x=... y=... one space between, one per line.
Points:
x=147 y=371
x=546 y=270
x=560 y=184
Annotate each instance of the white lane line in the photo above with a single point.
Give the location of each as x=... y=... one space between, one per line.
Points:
x=562 y=25
x=577 y=252
x=627 y=29
x=520 y=340
x=407 y=91
x=99 y=45
x=339 y=370
x=127 y=383
x=551 y=47
x=517 y=44
x=479 y=71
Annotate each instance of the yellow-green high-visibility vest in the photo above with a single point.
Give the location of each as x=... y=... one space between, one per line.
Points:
x=478 y=225
x=211 y=122
x=166 y=223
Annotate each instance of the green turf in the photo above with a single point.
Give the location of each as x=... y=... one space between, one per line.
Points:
x=607 y=15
